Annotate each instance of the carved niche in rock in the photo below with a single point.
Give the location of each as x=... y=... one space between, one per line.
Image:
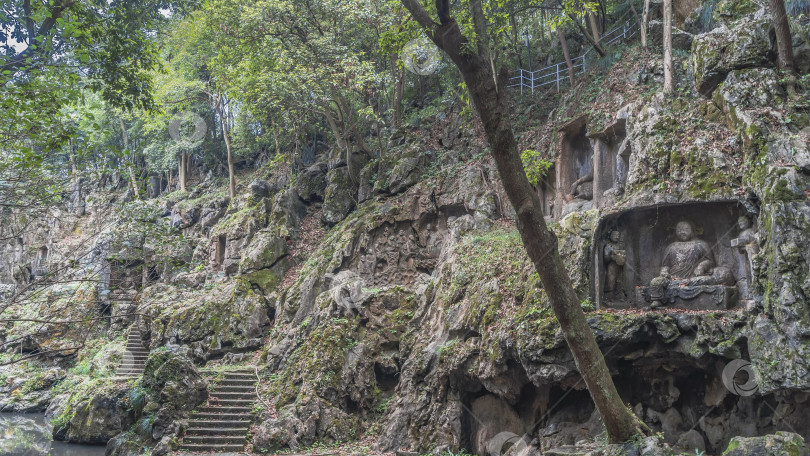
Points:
x=575 y=172
x=684 y=256
x=611 y=160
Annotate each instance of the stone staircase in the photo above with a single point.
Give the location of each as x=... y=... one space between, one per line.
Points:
x=134 y=358
x=222 y=425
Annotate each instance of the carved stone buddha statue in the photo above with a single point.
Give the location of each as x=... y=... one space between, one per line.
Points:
x=688 y=270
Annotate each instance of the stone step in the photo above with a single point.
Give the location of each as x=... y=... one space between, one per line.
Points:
x=248 y=384
x=227 y=409
x=226 y=395
x=240 y=376
x=228 y=402
x=236 y=421
x=209 y=448
x=205 y=417
x=234 y=389
x=199 y=429
x=214 y=439
x=142 y=354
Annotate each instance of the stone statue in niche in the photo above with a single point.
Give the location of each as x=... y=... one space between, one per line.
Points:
x=689 y=276
x=582 y=188
x=746 y=243
x=615 y=257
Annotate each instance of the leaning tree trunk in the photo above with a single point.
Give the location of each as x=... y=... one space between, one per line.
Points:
x=568 y=62
x=783 y=39
x=635 y=14
x=494 y=109
x=784 y=43
x=668 y=66
x=594 y=27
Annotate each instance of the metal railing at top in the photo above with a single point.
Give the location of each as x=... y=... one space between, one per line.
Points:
x=557 y=74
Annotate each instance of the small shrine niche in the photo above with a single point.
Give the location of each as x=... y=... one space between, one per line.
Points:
x=690 y=256
x=611 y=161
x=575 y=173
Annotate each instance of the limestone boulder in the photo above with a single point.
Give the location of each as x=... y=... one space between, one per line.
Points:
x=716 y=53
x=260 y=188
x=311 y=184
x=779 y=444
x=340 y=196
x=680 y=39
x=173 y=377
x=95 y=417
x=264 y=261
x=304 y=423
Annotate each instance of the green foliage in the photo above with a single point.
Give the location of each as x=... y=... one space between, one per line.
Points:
x=535 y=165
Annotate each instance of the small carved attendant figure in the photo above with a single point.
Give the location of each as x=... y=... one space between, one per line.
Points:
x=747 y=244
x=615 y=257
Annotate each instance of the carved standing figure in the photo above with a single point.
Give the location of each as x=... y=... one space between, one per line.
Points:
x=746 y=243
x=615 y=257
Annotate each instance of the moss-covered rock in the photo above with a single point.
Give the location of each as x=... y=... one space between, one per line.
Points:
x=779 y=444
x=340 y=196
x=717 y=53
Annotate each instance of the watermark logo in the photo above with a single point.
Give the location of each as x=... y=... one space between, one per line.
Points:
x=127 y=365
x=422 y=57
x=180 y=127
x=506 y=443
x=738 y=377
x=346 y=289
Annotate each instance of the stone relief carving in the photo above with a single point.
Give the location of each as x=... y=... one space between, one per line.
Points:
x=582 y=188
x=695 y=256
x=394 y=254
x=615 y=257
x=689 y=273
x=747 y=245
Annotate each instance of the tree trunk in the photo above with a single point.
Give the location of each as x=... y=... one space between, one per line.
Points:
x=668 y=66
x=226 y=134
x=181 y=171
x=784 y=43
x=133 y=180
x=564 y=44
x=74 y=170
x=594 y=27
x=541 y=244
x=645 y=17
x=635 y=14
x=399 y=91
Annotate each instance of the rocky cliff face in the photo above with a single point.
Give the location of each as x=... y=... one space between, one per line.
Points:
x=403 y=299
